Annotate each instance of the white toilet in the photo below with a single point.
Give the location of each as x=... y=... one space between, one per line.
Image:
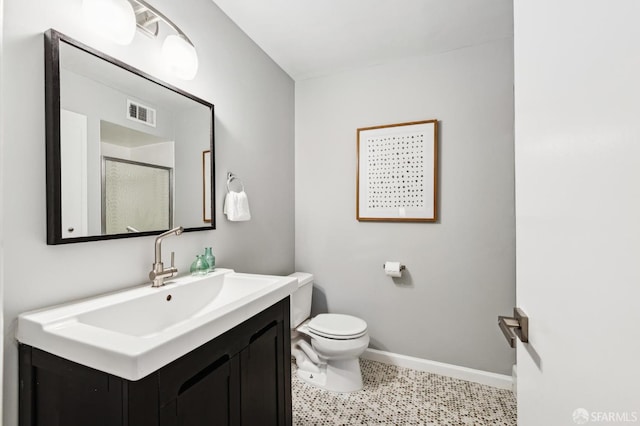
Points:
x=331 y=361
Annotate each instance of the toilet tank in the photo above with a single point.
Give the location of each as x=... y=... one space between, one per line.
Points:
x=301 y=298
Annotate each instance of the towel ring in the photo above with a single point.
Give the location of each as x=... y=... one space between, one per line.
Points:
x=230 y=178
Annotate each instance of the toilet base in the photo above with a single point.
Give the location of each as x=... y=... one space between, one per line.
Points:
x=336 y=376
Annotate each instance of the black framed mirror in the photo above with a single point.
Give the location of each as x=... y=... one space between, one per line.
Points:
x=127 y=154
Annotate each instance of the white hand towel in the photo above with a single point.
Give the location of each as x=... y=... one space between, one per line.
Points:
x=236 y=206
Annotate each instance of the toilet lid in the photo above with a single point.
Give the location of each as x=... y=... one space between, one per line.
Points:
x=337 y=326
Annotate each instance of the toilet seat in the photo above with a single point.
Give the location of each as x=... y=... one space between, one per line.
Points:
x=337 y=326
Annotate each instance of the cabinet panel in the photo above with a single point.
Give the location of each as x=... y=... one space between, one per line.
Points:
x=205 y=399
x=261 y=366
x=192 y=366
x=76 y=403
x=140 y=400
x=64 y=393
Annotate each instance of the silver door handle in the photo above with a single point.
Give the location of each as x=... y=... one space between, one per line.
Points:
x=515 y=327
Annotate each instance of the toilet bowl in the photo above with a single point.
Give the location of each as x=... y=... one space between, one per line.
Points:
x=327 y=347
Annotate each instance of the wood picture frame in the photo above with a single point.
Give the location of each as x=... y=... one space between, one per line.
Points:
x=397 y=172
x=206 y=186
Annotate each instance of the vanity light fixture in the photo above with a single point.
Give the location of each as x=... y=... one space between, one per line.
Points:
x=113 y=19
x=118 y=19
x=178 y=51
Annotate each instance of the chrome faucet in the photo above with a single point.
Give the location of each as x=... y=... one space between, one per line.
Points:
x=158 y=273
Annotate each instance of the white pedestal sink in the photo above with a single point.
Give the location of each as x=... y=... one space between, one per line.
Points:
x=134 y=332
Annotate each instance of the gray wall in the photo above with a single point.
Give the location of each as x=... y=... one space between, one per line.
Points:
x=461 y=270
x=254 y=131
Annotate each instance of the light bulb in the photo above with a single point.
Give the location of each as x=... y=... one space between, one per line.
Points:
x=180 y=57
x=114 y=19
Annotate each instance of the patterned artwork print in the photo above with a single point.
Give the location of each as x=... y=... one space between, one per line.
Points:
x=395 y=171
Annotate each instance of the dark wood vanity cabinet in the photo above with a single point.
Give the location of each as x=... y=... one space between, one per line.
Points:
x=242 y=377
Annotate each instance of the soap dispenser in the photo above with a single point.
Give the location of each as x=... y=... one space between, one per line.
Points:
x=210 y=258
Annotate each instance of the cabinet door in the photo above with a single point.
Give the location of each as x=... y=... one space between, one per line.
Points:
x=204 y=399
x=207 y=398
x=261 y=368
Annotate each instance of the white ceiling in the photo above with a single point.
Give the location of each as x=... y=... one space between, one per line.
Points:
x=314 y=38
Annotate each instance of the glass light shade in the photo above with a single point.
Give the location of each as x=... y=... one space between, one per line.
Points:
x=114 y=19
x=180 y=57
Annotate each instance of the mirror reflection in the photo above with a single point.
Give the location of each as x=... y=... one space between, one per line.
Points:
x=130 y=149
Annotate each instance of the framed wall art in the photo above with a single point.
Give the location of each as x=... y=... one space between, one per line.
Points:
x=397 y=169
x=206 y=186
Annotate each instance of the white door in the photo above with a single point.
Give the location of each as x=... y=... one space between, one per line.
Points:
x=73 y=156
x=577 y=140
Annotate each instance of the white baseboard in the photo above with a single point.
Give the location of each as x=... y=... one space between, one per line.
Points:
x=500 y=381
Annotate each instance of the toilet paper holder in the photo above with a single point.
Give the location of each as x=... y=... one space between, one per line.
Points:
x=402 y=267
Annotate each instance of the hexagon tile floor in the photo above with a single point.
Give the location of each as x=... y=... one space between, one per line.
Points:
x=401 y=396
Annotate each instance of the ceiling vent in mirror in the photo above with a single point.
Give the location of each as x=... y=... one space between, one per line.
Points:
x=141 y=113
